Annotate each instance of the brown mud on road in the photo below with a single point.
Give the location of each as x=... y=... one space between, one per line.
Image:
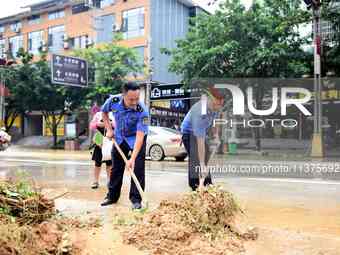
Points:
x=289 y=229
x=284 y=228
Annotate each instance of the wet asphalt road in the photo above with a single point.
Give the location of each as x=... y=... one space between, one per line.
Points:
x=285 y=200
x=314 y=182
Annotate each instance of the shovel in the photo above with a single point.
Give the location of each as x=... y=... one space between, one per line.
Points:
x=133 y=176
x=205 y=173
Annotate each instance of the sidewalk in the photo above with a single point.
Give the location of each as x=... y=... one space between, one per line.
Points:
x=19 y=152
x=242 y=154
x=283 y=155
x=282 y=149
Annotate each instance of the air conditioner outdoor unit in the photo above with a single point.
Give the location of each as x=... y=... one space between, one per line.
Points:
x=89 y=41
x=116 y=28
x=43 y=46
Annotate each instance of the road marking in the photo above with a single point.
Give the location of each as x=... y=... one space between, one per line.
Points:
x=49 y=162
x=226 y=178
x=158 y=173
x=79 y=163
x=294 y=181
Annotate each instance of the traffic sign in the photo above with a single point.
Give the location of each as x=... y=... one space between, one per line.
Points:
x=69 y=71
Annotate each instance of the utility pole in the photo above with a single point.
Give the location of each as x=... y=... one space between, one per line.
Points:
x=317 y=142
x=149 y=79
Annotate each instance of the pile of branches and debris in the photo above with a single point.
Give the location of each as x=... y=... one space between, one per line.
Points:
x=24 y=203
x=29 y=224
x=201 y=222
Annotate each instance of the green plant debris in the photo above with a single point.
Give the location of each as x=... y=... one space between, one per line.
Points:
x=128 y=218
x=20 y=200
x=29 y=224
x=201 y=222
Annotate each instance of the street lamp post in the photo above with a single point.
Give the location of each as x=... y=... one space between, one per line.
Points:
x=317 y=142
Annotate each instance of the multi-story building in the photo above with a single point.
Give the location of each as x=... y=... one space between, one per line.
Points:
x=62 y=25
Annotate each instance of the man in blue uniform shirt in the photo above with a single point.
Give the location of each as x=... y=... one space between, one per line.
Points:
x=195 y=127
x=131 y=130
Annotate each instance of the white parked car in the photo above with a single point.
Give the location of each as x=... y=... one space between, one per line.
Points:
x=165 y=142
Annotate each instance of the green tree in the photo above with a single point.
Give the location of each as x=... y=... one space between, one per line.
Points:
x=331 y=43
x=111 y=64
x=31 y=90
x=50 y=98
x=17 y=79
x=260 y=42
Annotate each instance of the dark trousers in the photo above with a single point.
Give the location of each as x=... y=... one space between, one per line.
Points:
x=116 y=179
x=190 y=144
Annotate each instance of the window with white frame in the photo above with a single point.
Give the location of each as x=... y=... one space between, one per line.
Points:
x=15 y=43
x=16 y=26
x=35 y=41
x=33 y=20
x=133 y=23
x=105 y=31
x=56 y=38
x=56 y=15
x=2 y=48
x=79 y=42
x=140 y=58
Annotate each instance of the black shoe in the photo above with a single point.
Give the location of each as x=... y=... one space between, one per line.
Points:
x=107 y=202
x=136 y=206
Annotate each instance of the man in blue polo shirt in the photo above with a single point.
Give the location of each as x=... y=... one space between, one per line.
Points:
x=132 y=122
x=195 y=127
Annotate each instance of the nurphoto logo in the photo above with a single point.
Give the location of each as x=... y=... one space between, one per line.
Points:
x=280 y=97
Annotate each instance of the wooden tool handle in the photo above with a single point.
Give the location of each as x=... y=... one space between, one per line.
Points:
x=133 y=176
